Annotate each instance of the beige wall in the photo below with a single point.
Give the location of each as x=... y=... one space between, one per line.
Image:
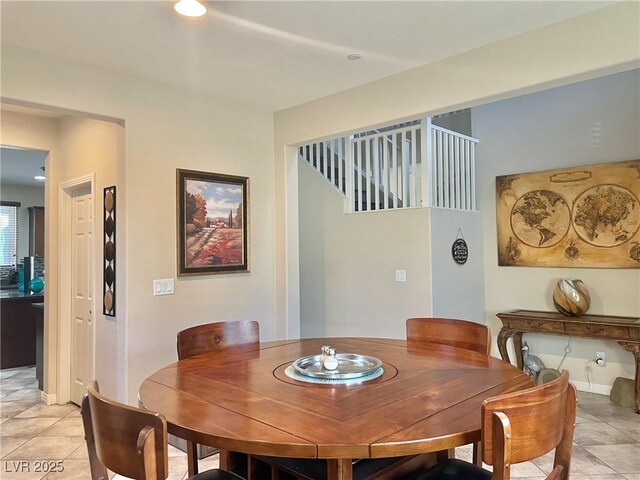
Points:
x=348 y=264
x=589 y=46
x=165 y=128
x=587 y=123
x=458 y=290
x=88 y=146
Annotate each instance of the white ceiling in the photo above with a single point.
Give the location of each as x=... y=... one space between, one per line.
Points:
x=273 y=54
x=18 y=166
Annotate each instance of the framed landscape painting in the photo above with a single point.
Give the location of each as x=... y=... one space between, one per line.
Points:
x=212 y=223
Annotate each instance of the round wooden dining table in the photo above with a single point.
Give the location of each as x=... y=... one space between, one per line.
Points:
x=428 y=399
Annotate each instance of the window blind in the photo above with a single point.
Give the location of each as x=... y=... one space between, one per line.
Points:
x=8 y=232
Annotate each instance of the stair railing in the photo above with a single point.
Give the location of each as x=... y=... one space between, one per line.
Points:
x=389 y=161
x=417 y=164
x=328 y=158
x=451 y=168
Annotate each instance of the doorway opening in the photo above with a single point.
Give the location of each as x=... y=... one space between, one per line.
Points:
x=84 y=151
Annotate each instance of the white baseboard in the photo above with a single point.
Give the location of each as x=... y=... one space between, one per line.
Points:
x=48 y=398
x=592 y=388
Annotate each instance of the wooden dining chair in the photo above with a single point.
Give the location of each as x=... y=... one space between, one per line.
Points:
x=449 y=331
x=455 y=333
x=216 y=336
x=207 y=338
x=517 y=427
x=128 y=441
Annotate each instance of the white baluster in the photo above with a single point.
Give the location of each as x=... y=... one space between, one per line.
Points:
x=411 y=187
x=328 y=153
x=472 y=169
x=405 y=162
x=348 y=148
x=457 y=171
x=359 y=173
x=385 y=171
x=375 y=147
x=340 y=149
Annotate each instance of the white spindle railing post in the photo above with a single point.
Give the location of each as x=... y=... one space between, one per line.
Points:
x=342 y=155
x=426 y=162
x=440 y=156
x=452 y=173
x=446 y=174
x=385 y=170
x=327 y=161
x=367 y=159
x=376 y=171
x=359 y=173
x=394 y=169
x=472 y=169
x=347 y=148
x=463 y=174
x=414 y=167
x=405 y=163
x=457 y=170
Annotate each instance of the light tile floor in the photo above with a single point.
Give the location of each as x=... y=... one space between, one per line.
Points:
x=606 y=442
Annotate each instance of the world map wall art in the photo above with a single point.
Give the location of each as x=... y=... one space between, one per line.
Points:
x=584 y=217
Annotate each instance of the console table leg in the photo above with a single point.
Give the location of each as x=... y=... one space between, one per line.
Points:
x=517 y=346
x=503 y=336
x=635 y=349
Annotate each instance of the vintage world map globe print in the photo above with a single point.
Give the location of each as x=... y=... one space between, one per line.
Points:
x=576 y=217
x=540 y=218
x=606 y=215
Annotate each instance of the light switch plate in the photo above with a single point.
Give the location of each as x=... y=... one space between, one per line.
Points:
x=163 y=287
x=401 y=275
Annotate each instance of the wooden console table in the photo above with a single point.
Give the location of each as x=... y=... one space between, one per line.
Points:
x=624 y=330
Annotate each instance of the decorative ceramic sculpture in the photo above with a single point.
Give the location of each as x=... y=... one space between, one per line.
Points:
x=36 y=285
x=532 y=364
x=571 y=297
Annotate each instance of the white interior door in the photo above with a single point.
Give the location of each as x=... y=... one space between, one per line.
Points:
x=81 y=294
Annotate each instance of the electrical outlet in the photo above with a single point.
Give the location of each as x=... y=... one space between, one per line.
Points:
x=401 y=275
x=601 y=359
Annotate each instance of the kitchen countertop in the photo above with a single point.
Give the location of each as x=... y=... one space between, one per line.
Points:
x=14 y=294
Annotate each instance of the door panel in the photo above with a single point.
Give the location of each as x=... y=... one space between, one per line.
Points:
x=81 y=308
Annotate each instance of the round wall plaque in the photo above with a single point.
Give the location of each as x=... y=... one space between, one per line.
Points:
x=460 y=251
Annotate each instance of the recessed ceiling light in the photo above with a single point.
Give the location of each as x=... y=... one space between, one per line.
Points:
x=354 y=56
x=190 y=8
x=40 y=177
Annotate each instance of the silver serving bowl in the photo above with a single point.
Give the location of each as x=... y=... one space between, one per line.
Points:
x=350 y=365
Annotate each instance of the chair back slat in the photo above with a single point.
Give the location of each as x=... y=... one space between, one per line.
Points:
x=449 y=331
x=216 y=336
x=98 y=470
x=540 y=420
x=114 y=441
x=147 y=452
